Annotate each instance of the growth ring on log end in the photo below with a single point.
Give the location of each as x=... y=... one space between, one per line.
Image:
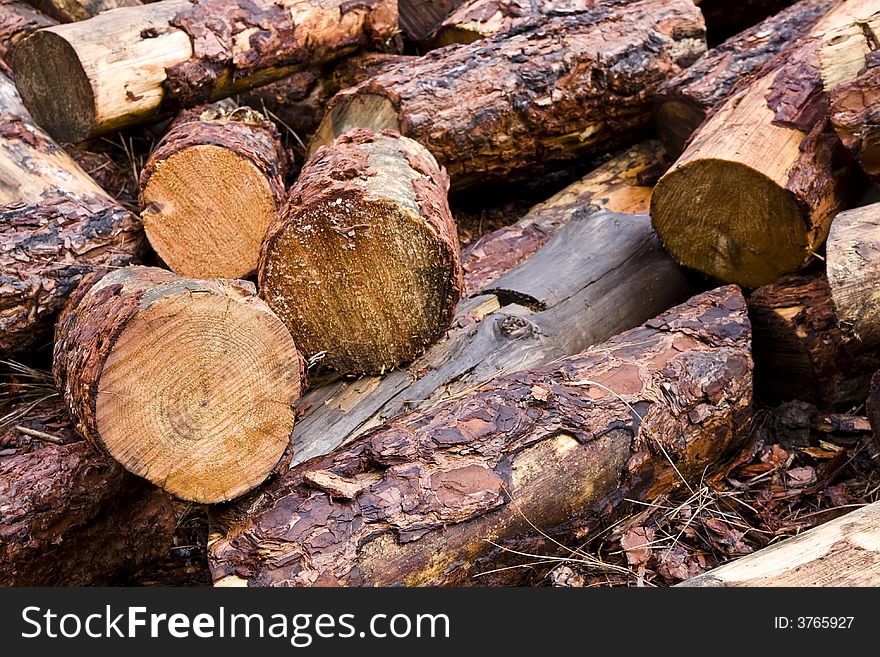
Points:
x=190 y=384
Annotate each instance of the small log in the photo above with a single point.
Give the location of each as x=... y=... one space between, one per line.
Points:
x=68 y=11
x=850 y=61
x=445 y=497
x=211 y=188
x=189 y=384
x=18 y=20
x=852 y=258
x=684 y=101
x=419 y=18
x=137 y=64
x=363 y=263
x=56 y=225
x=800 y=352
x=753 y=195
x=584 y=87
x=841 y=552
x=71 y=516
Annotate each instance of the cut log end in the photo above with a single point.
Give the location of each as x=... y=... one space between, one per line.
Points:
x=364 y=283
x=206 y=210
x=754 y=233
x=68 y=116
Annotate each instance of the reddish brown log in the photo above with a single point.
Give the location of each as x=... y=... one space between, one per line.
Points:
x=18 y=20
x=68 y=11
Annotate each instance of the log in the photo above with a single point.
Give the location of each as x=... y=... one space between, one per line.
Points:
x=18 y=20
x=851 y=75
x=753 y=195
x=137 y=64
x=72 y=517
x=68 y=11
x=56 y=225
x=444 y=497
x=611 y=264
x=724 y=19
x=189 y=384
x=419 y=18
x=211 y=188
x=685 y=100
x=852 y=259
x=363 y=264
x=872 y=406
x=800 y=352
x=841 y=552
x=584 y=87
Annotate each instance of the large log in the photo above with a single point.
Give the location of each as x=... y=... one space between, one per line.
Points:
x=362 y=264
x=18 y=20
x=753 y=195
x=56 y=225
x=852 y=258
x=553 y=90
x=211 y=188
x=800 y=351
x=68 y=11
x=137 y=64
x=841 y=552
x=70 y=516
x=686 y=99
x=851 y=75
x=189 y=384
x=445 y=497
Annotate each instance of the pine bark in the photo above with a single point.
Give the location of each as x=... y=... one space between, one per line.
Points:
x=71 y=516
x=17 y=21
x=511 y=104
x=443 y=497
x=189 y=384
x=685 y=100
x=68 y=11
x=56 y=225
x=753 y=195
x=851 y=74
x=211 y=188
x=177 y=53
x=363 y=264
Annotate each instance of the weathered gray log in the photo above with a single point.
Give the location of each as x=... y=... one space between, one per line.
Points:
x=444 y=496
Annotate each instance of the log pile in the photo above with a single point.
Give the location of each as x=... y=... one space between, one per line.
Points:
x=285 y=327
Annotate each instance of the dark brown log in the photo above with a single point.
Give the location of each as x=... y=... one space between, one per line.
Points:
x=443 y=497
x=841 y=552
x=799 y=350
x=211 y=188
x=138 y=64
x=18 y=20
x=56 y=225
x=68 y=11
x=685 y=100
x=554 y=90
x=753 y=195
x=851 y=74
x=363 y=264
x=872 y=406
x=187 y=383
x=419 y=18
x=72 y=517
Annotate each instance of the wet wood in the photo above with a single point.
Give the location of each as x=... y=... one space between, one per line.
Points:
x=771 y=137
x=442 y=497
x=363 y=262
x=685 y=100
x=211 y=188
x=189 y=384
x=578 y=91
x=56 y=225
x=138 y=64
x=841 y=552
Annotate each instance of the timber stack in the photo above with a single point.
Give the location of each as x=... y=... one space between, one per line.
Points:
x=377 y=289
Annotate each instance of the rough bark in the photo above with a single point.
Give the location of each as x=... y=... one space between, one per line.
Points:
x=419 y=18
x=552 y=90
x=137 y=64
x=70 y=516
x=440 y=498
x=18 y=20
x=363 y=264
x=799 y=349
x=68 y=11
x=850 y=61
x=187 y=383
x=684 y=101
x=852 y=259
x=753 y=195
x=56 y=225
x=841 y=552
x=211 y=188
